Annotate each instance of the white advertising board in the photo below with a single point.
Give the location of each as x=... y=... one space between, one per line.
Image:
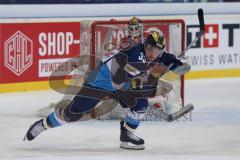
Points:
x=219 y=48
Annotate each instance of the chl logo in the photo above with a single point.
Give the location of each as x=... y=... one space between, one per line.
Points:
x=210 y=38
x=18 y=53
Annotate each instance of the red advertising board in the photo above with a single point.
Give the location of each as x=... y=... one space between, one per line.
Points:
x=31 y=51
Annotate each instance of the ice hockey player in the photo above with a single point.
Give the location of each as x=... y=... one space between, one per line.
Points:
x=135 y=34
x=121 y=77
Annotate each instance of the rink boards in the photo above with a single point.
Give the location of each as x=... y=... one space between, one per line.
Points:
x=216 y=55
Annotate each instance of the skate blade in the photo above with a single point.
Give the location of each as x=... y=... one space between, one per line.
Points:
x=126 y=145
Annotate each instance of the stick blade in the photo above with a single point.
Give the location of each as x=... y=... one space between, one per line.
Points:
x=201 y=19
x=186 y=109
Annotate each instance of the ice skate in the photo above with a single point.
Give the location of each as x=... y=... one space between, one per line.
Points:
x=130 y=140
x=34 y=130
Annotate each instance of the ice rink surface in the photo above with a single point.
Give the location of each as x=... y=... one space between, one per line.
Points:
x=213 y=134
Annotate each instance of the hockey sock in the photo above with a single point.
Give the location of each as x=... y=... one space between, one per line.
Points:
x=53 y=121
x=132 y=120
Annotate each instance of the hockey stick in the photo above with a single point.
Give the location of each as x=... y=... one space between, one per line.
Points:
x=186 y=109
x=173 y=116
x=202 y=29
x=189 y=107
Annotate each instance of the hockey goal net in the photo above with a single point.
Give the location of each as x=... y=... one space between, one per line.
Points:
x=107 y=34
x=98 y=38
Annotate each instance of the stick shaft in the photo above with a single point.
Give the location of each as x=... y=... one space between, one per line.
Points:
x=202 y=29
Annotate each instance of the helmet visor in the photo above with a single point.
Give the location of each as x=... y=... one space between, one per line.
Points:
x=135 y=30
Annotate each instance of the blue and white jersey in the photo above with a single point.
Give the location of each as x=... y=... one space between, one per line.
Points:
x=111 y=69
